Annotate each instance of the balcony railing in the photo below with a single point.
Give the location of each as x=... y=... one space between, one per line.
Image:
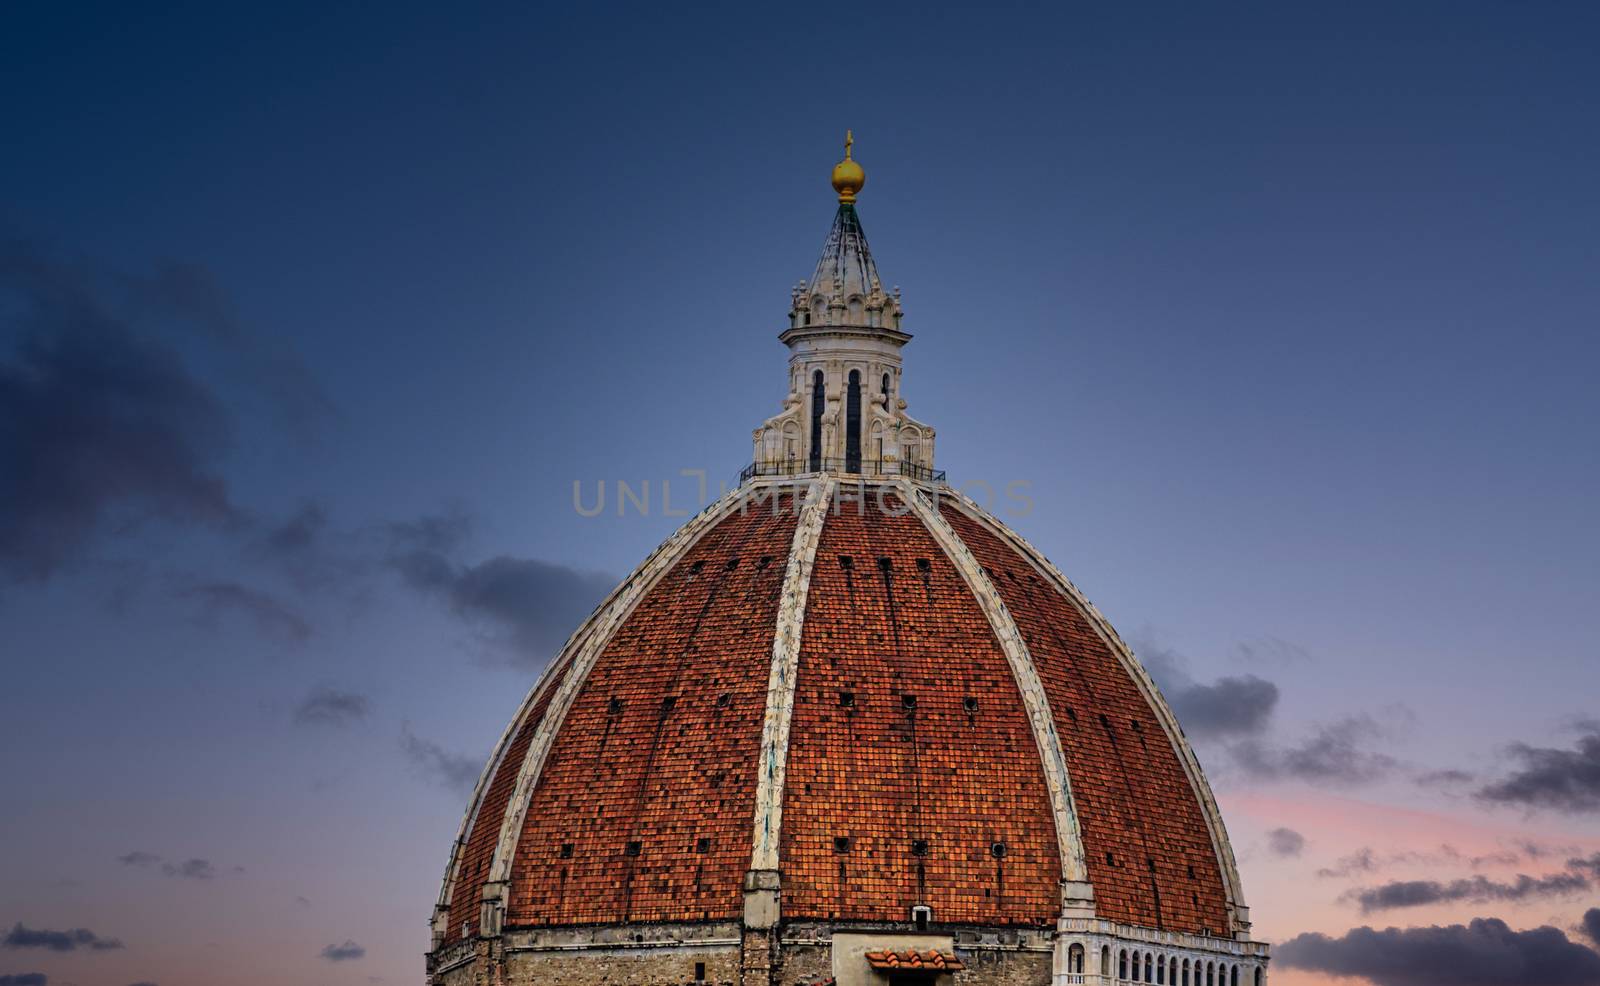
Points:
x=850 y=467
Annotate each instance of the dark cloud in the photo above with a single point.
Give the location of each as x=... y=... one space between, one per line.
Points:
x=300 y=533
x=530 y=606
x=98 y=427
x=343 y=953
x=1591 y=924
x=1561 y=780
x=1363 y=860
x=1476 y=890
x=1272 y=650
x=273 y=617
x=327 y=707
x=450 y=770
x=190 y=869
x=25 y=979
x=1285 y=842
x=188 y=295
x=145 y=983
x=1366 y=861
x=1484 y=953
x=1588 y=865
x=58 y=941
x=1335 y=754
x=1228 y=707
x=1444 y=778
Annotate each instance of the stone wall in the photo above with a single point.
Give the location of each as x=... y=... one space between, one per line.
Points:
x=718 y=965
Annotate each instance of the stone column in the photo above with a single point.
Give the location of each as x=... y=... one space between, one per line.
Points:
x=758 y=942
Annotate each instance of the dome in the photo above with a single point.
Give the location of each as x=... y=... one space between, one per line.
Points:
x=843 y=726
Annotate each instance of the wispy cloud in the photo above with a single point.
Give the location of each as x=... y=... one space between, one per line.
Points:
x=1285 y=842
x=1225 y=708
x=526 y=607
x=329 y=707
x=58 y=941
x=1566 y=781
x=1486 y=952
x=99 y=421
x=25 y=979
x=343 y=953
x=193 y=868
x=1475 y=890
x=431 y=761
x=272 y=616
x=1336 y=753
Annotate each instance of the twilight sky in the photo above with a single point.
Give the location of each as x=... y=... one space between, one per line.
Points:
x=310 y=320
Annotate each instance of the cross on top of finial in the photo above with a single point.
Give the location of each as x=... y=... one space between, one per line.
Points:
x=849 y=139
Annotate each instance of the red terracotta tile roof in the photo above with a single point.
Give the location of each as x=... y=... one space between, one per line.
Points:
x=911 y=959
x=913 y=775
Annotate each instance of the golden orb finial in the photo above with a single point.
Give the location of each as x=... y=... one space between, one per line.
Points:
x=847 y=174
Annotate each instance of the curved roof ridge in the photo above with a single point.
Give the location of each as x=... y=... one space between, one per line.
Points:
x=772 y=766
x=610 y=616
x=1238 y=911
x=1052 y=757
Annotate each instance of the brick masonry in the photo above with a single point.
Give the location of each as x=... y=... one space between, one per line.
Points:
x=913 y=772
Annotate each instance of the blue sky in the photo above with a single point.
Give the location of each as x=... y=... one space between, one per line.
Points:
x=1286 y=314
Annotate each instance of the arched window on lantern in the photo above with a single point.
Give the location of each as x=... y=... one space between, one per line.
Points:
x=852 y=424
x=1075 y=958
x=819 y=405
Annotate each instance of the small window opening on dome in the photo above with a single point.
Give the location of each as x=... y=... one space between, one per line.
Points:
x=566 y=850
x=763 y=562
x=919 y=847
x=1072 y=714
x=908 y=701
x=847 y=700
x=1190 y=871
x=633 y=848
x=1150 y=863
x=885 y=563
x=1134 y=725
x=733 y=563
x=1194 y=899
x=970 y=703
x=924 y=566
x=1105 y=721
x=846 y=562
x=669 y=703
x=724 y=700
x=696 y=566
x=1111 y=860
x=998 y=850
x=841 y=843
x=614 y=706
x=921 y=916
x=702 y=845
x=699 y=972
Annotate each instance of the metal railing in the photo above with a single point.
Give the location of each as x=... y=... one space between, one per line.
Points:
x=851 y=467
